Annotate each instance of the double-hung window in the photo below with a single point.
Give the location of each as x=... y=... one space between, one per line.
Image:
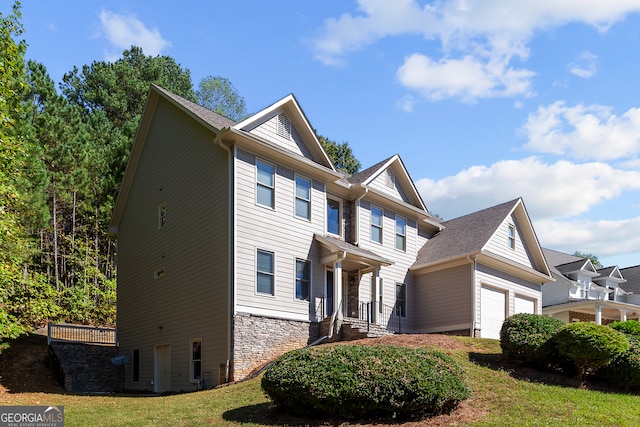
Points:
x=376 y=224
x=303 y=279
x=265 y=272
x=333 y=216
x=511 y=236
x=303 y=197
x=265 y=184
x=401 y=233
x=196 y=360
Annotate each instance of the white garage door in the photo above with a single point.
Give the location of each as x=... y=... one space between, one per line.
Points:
x=524 y=305
x=492 y=309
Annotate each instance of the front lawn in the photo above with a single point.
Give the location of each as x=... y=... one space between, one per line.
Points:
x=501 y=397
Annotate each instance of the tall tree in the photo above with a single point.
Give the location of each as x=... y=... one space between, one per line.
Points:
x=341 y=155
x=218 y=94
x=594 y=259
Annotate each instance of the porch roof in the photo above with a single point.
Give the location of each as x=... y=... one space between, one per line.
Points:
x=354 y=256
x=609 y=308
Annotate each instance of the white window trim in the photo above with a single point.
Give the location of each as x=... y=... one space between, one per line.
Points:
x=257 y=183
x=295 y=195
x=273 y=275
x=371 y=224
x=511 y=236
x=192 y=379
x=396 y=234
x=340 y=219
x=295 y=280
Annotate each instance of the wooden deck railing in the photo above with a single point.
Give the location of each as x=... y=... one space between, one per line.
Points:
x=62 y=332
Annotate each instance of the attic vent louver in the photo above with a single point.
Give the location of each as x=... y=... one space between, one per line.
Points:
x=284 y=126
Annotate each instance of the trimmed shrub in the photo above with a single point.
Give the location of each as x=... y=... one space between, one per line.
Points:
x=628 y=327
x=624 y=370
x=525 y=338
x=589 y=346
x=356 y=381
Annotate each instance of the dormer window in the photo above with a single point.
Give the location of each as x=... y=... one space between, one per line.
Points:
x=284 y=126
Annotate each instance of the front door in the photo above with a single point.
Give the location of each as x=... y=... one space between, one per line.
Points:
x=163 y=369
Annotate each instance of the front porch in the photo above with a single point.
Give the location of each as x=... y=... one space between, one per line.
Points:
x=597 y=311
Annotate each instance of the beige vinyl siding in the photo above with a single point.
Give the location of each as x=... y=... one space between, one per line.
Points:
x=402 y=260
x=281 y=232
x=269 y=131
x=379 y=184
x=442 y=300
x=181 y=167
x=487 y=276
x=498 y=244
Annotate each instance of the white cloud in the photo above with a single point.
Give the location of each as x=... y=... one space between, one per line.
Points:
x=124 y=31
x=481 y=38
x=584 y=66
x=583 y=132
x=558 y=190
x=602 y=238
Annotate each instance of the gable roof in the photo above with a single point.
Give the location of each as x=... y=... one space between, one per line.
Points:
x=468 y=235
x=583 y=266
x=290 y=106
x=632 y=274
x=209 y=119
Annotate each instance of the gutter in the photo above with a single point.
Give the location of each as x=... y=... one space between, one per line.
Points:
x=474 y=262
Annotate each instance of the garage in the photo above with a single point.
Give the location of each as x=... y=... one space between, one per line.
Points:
x=524 y=305
x=492 y=312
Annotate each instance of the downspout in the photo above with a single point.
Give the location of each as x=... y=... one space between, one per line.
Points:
x=474 y=262
x=230 y=257
x=356 y=227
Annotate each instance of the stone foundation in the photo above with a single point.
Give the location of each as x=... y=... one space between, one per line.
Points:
x=259 y=339
x=584 y=317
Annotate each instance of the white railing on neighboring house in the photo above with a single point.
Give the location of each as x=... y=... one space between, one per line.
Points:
x=63 y=332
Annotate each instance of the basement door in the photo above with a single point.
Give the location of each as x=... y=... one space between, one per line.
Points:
x=162 y=381
x=492 y=312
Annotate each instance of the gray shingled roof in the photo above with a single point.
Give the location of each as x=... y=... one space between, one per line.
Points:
x=353 y=249
x=606 y=271
x=571 y=266
x=362 y=176
x=210 y=117
x=632 y=275
x=464 y=235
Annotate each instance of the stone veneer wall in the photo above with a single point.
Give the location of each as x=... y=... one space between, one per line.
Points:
x=259 y=339
x=584 y=317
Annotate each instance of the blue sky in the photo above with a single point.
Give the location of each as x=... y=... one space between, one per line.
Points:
x=484 y=101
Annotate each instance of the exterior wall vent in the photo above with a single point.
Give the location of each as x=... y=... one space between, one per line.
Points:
x=284 y=126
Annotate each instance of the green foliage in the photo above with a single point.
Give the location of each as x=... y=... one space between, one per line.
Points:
x=341 y=155
x=526 y=338
x=628 y=327
x=589 y=346
x=624 y=369
x=218 y=94
x=351 y=381
x=594 y=259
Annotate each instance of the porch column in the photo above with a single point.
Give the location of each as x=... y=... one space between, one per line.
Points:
x=623 y=315
x=375 y=294
x=598 y=315
x=337 y=290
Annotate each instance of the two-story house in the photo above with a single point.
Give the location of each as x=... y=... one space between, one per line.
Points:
x=239 y=241
x=582 y=292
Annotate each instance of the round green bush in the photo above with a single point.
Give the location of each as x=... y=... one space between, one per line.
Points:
x=525 y=338
x=624 y=369
x=589 y=346
x=356 y=381
x=628 y=327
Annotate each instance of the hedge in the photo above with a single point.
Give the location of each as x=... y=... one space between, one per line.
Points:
x=356 y=381
x=525 y=338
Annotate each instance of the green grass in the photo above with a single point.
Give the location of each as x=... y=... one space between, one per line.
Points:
x=499 y=399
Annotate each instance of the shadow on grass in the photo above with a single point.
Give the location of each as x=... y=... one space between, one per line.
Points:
x=547 y=377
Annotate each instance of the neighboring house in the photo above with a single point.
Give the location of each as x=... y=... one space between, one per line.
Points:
x=240 y=241
x=583 y=293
